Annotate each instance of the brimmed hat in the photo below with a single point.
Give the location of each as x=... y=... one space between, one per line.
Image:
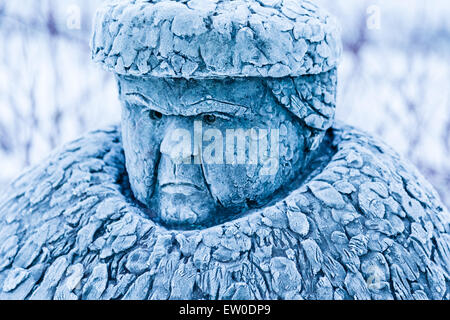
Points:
x=215 y=38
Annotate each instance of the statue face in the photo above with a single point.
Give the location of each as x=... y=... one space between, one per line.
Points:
x=202 y=151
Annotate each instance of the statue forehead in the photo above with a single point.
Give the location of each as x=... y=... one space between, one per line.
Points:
x=189 y=97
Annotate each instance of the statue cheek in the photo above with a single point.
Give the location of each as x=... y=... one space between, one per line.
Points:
x=141 y=147
x=222 y=183
x=234 y=186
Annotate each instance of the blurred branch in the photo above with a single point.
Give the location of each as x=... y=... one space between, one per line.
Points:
x=5 y=140
x=49 y=27
x=446 y=136
x=354 y=47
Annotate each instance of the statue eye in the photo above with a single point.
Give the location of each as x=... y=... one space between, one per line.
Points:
x=155 y=115
x=209 y=118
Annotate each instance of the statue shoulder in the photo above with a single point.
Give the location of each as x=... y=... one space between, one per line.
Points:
x=42 y=212
x=387 y=224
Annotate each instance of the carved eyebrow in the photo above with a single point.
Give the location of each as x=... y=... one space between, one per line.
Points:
x=146 y=102
x=234 y=109
x=228 y=108
x=139 y=95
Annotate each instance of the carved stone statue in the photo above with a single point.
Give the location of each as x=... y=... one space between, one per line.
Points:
x=228 y=178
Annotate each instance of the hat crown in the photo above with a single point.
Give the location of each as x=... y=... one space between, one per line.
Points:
x=215 y=38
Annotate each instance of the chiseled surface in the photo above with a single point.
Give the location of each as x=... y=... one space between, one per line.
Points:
x=301 y=108
x=364 y=226
x=215 y=38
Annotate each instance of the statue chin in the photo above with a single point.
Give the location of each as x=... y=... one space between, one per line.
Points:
x=185 y=209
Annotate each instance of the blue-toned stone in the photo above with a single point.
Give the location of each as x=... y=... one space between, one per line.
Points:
x=298 y=223
x=286 y=280
x=327 y=194
x=140 y=288
x=96 y=283
x=15 y=277
x=313 y=254
x=314 y=210
x=53 y=276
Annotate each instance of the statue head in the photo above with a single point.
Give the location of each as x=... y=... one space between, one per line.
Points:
x=224 y=102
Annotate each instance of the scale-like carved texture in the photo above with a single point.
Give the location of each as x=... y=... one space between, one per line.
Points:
x=364 y=226
x=215 y=38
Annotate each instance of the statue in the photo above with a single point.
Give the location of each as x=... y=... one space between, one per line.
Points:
x=228 y=177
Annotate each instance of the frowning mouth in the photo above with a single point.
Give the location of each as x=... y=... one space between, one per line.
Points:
x=180 y=187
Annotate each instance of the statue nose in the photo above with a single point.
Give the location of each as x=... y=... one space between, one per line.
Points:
x=177 y=164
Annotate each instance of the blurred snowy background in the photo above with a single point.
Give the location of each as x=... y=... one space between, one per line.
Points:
x=394 y=79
